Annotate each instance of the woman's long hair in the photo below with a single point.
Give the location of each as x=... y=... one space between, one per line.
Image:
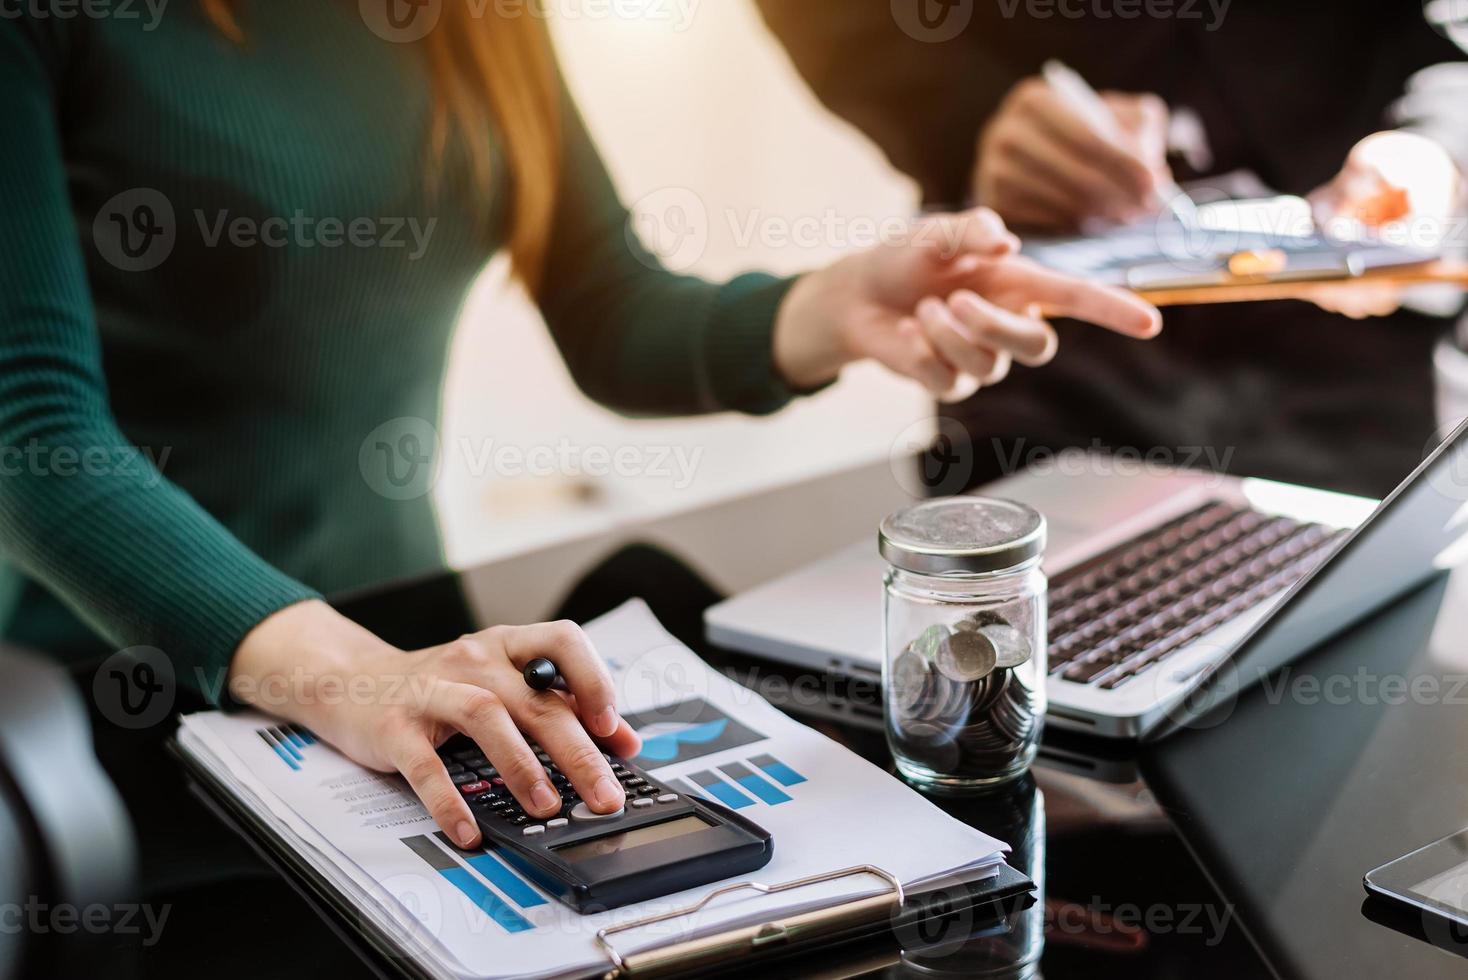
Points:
x=491 y=71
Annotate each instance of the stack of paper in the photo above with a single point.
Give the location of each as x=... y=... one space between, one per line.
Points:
x=471 y=915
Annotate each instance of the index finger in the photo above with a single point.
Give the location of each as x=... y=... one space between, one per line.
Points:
x=568 y=646
x=1059 y=295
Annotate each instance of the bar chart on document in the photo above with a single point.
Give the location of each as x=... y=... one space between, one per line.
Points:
x=682 y=737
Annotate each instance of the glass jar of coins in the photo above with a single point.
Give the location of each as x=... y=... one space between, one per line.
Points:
x=963 y=681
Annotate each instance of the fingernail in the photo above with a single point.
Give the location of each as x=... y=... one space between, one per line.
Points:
x=606 y=723
x=466 y=833
x=544 y=797
x=608 y=795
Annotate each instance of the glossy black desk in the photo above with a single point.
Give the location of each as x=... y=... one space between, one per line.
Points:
x=1109 y=863
x=1250 y=865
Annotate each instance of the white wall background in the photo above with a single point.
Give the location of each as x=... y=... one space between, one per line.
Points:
x=707 y=115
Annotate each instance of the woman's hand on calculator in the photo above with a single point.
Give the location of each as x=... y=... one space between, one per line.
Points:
x=390 y=710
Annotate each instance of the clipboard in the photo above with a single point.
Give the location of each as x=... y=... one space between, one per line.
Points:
x=1298 y=281
x=858 y=925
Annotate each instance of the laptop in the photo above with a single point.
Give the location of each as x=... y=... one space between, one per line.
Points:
x=1170 y=590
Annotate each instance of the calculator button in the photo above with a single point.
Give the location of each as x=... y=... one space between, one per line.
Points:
x=557 y=823
x=454 y=768
x=465 y=778
x=583 y=812
x=474 y=761
x=668 y=798
x=489 y=772
x=474 y=788
x=519 y=821
x=642 y=802
x=533 y=829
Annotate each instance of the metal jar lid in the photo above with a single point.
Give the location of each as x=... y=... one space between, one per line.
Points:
x=962 y=534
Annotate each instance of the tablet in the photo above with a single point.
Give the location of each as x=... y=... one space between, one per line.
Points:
x=1432 y=882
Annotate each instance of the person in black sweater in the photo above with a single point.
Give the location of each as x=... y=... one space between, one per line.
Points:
x=1287 y=91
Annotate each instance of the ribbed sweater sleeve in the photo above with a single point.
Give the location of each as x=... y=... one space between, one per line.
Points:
x=81 y=509
x=639 y=338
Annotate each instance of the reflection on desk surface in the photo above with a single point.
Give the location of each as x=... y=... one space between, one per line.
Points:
x=1336 y=765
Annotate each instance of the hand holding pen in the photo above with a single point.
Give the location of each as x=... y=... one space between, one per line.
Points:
x=1058 y=155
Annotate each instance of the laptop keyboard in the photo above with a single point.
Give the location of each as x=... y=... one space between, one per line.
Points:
x=1126 y=611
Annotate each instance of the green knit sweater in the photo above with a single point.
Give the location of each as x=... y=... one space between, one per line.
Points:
x=227 y=291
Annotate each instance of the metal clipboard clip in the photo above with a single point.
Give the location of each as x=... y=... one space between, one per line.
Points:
x=688 y=954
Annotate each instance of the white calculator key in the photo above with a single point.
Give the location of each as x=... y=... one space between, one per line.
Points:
x=583 y=812
x=641 y=802
x=557 y=823
x=668 y=798
x=533 y=829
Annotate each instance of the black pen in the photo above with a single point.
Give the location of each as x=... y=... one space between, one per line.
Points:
x=542 y=675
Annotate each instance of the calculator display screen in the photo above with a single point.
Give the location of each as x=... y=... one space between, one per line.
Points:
x=615 y=843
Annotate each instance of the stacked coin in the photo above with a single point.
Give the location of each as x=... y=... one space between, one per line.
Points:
x=958 y=705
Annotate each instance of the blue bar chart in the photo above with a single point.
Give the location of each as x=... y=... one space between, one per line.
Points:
x=288 y=742
x=754 y=784
x=741 y=784
x=777 y=770
x=501 y=906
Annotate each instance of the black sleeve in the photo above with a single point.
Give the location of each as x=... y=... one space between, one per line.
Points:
x=920 y=94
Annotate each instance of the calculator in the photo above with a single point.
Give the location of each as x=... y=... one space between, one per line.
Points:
x=662 y=841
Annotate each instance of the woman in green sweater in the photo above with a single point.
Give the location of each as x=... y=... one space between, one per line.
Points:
x=236 y=241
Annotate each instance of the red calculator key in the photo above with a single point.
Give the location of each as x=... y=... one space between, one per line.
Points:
x=474 y=789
